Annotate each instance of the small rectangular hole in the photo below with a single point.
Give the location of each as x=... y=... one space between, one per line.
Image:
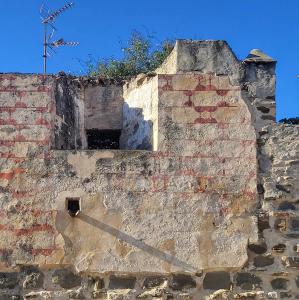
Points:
x=73 y=206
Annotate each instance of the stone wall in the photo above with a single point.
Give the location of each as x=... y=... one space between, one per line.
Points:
x=140 y=114
x=84 y=104
x=69 y=115
x=27 y=108
x=177 y=200
x=210 y=212
x=103 y=106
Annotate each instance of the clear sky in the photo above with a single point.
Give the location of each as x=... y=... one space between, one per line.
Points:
x=99 y=26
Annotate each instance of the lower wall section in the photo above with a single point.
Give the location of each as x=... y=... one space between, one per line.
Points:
x=33 y=283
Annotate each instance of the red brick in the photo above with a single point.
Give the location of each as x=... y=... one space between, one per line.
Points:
x=205 y=120
x=205 y=108
x=11 y=174
x=34 y=228
x=43 y=252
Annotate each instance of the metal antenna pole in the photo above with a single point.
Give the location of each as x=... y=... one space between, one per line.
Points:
x=49 y=19
x=45 y=50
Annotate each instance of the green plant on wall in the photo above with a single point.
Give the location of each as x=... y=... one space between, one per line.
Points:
x=139 y=57
x=292 y=121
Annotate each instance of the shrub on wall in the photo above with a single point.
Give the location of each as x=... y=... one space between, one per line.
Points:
x=140 y=56
x=292 y=121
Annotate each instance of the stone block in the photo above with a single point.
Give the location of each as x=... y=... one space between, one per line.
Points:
x=154 y=281
x=280 y=284
x=33 y=281
x=184 y=82
x=263 y=221
x=263 y=261
x=286 y=205
x=5 y=296
x=295 y=223
x=291 y=262
x=173 y=99
x=9 y=280
x=117 y=282
x=232 y=115
x=101 y=295
x=8 y=132
x=36 y=99
x=281 y=224
x=279 y=248
x=25 y=116
x=66 y=278
x=96 y=283
x=217 y=281
x=248 y=281
x=182 y=282
x=259 y=248
x=35 y=133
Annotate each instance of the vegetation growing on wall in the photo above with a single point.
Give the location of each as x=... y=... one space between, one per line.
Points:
x=292 y=121
x=140 y=56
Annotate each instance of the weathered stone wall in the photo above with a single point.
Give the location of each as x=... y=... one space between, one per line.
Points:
x=274 y=260
x=69 y=115
x=255 y=75
x=27 y=108
x=103 y=106
x=83 y=104
x=204 y=121
x=177 y=185
x=209 y=214
x=140 y=114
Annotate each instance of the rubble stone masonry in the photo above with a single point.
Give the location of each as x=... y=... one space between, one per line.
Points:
x=200 y=201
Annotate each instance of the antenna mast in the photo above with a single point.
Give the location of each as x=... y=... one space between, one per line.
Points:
x=48 y=18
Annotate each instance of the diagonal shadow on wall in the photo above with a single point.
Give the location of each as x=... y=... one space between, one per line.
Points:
x=137 y=243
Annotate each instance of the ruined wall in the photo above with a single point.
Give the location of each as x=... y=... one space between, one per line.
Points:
x=140 y=114
x=255 y=74
x=103 y=106
x=27 y=110
x=84 y=104
x=274 y=260
x=258 y=87
x=69 y=115
x=134 y=190
x=209 y=214
x=176 y=210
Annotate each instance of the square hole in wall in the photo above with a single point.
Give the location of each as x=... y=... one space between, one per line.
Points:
x=73 y=206
x=103 y=139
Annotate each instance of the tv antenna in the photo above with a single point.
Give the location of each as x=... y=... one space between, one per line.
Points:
x=48 y=20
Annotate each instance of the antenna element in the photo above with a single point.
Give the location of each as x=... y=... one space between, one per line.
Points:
x=48 y=18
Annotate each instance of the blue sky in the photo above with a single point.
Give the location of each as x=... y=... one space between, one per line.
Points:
x=99 y=26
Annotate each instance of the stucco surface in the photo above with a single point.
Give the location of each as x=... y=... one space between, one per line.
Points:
x=200 y=202
x=179 y=208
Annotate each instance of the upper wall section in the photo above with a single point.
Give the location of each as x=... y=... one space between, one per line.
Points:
x=103 y=107
x=27 y=109
x=85 y=108
x=201 y=56
x=255 y=75
x=57 y=111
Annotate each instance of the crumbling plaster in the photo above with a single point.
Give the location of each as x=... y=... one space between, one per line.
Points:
x=189 y=193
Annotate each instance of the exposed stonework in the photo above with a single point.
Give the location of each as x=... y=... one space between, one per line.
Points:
x=200 y=202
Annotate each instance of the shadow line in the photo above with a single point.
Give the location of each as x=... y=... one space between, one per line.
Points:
x=138 y=244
